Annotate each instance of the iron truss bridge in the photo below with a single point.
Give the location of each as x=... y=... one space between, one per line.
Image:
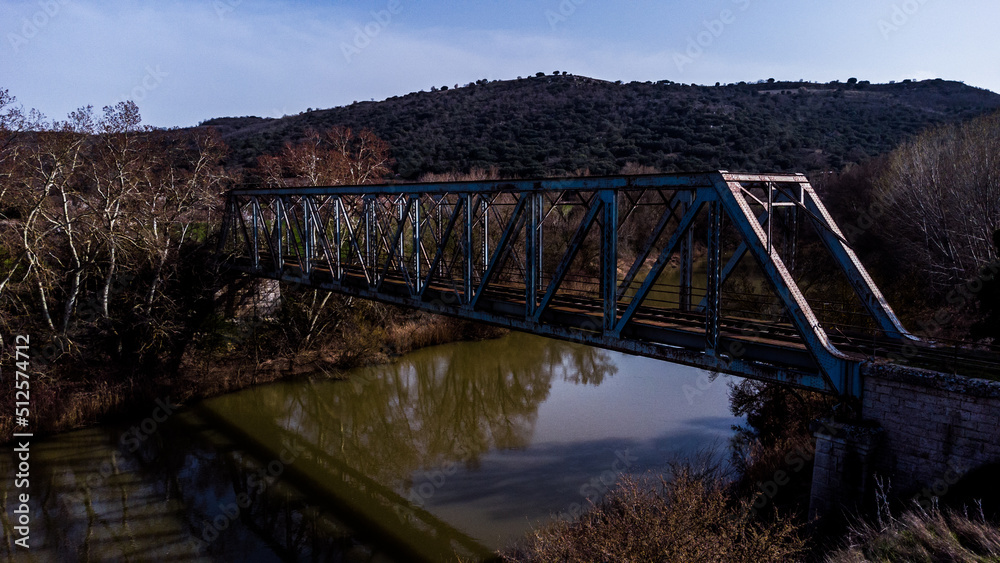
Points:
x=654 y=265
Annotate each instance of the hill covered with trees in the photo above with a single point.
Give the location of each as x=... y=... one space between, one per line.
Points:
x=561 y=124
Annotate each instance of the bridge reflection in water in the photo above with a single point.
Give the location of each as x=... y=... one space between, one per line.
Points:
x=336 y=470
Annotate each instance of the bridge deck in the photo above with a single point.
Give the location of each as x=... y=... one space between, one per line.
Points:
x=543 y=256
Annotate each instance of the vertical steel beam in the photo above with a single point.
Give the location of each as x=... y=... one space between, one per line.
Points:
x=540 y=240
x=440 y=204
x=648 y=246
x=661 y=262
x=609 y=258
x=510 y=231
x=733 y=261
x=486 y=234
x=339 y=273
x=687 y=259
x=279 y=217
x=469 y=253
x=597 y=204
x=255 y=215
x=307 y=227
x=532 y=266
x=415 y=201
x=770 y=209
x=435 y=266
x=714 y=279
x=367 y=208
x=397 y=243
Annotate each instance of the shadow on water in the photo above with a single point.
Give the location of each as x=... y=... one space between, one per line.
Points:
x=421 y=459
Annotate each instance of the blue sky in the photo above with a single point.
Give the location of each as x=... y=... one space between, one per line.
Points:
x=184 y=61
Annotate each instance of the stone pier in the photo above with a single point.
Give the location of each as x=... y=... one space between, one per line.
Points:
x=920 y=431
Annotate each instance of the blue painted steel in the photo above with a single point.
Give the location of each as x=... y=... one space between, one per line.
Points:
x=390 y=243
x=832 y=363
x=609 y=258
x=836 y=243
x=660 y=263
x=713 y=295
x=571 y=251
x=446 y=236
x=501 y=250
x=647 y=247
x=734 y=260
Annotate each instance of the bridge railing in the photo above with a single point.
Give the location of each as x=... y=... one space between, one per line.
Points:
x=610 y=261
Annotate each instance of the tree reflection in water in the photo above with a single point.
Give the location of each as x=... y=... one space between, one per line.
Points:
x=173 y=497
x=444 y=404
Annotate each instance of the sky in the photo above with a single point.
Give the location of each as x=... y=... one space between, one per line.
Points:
x=186 y=61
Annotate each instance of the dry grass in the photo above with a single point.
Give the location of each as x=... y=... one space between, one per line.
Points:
x=686 y=519
x=919 y=536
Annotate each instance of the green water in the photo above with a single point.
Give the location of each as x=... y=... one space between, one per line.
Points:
x=457 y=448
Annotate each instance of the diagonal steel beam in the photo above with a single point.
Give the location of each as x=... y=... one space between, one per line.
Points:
x=856 y=273
x=660 y=263
x=733 y=261
x=501 y=249
x=455 y=214
x=647 y=247
x=396 y=238
x=841 y=374
x=354 y=242
x=571 y=251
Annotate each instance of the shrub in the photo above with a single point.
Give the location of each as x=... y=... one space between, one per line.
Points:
x=689 y=518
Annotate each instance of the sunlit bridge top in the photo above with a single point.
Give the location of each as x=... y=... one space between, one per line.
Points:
x=700 y=269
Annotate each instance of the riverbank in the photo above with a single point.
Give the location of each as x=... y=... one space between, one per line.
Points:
x=697 y=516
x=70 y=396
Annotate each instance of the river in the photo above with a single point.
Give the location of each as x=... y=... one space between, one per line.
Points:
x=462 y=447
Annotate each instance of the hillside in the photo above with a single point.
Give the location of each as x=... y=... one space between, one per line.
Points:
x=559 y=124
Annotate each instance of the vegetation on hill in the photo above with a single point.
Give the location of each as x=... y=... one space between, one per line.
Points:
x=558 y=125
x=925 y=218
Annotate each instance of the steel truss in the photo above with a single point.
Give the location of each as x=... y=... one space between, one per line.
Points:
x=574 y=258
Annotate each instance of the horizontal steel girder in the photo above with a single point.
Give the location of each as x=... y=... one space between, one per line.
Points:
x=546 y=256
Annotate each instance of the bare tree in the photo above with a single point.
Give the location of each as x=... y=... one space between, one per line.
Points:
x=121 y=156
x=179 y=193
x=57 y=225
x=940 y=197
x=338 y=156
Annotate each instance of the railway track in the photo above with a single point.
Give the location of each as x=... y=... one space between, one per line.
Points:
x=960 y=358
